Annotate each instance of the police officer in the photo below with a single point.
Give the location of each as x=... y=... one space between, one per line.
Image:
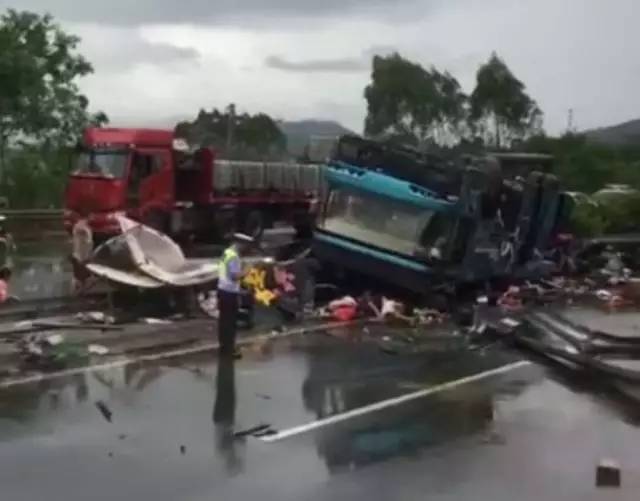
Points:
x=229 y=290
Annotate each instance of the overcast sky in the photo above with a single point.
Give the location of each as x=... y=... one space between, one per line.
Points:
x=160 y=60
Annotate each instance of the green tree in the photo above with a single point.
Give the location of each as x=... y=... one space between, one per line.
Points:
x=251 y=137
x=588 y=219
x=40 y=102
x=260 y=134
x=501 y=110
x=587 y=166
x=407 y=102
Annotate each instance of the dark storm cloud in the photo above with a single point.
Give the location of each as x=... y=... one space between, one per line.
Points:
x=134 y=12
x=111 y=48
x=338 y=65
x=161 y=53
x=345 y=65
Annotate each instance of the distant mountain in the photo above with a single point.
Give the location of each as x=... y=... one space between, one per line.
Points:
x=626 y=133
x=300 y=132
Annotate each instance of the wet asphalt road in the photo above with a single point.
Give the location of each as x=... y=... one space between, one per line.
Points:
x=519 y=435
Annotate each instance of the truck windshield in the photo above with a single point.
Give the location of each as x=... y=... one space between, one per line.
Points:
x=383 y=223
x=102 y=163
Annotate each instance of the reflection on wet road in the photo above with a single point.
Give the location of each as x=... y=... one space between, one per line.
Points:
x=172 y=430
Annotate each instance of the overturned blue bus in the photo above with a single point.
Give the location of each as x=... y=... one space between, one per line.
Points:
x=400 y=217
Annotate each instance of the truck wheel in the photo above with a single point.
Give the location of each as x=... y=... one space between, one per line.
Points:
x=303 y=225
x=254 y=224
x=157 y=220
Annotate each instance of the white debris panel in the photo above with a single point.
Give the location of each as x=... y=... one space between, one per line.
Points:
x=143 y=257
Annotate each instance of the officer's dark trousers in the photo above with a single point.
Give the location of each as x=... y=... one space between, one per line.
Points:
x=227 y=319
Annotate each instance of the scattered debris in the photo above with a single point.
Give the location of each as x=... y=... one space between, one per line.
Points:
x=510 y=300
x=251 y=431
x=97 y=349
x=156 y=321
x=97 y=317
x=429 y=316
x=208 y=302
x=608 y=474
x=578 y=348
x=74 y=326
x=51 y=352
x=389 y=351
x=104 y=410
x=342 y=310
x=265 y=433
x=604 y=295
x=55 y=339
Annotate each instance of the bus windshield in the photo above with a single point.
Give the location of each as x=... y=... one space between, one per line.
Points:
x=383 y=223
x=102 y=163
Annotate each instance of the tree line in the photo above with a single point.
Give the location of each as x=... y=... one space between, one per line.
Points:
x=233 y=135
x=425 y=106
x=43 y=112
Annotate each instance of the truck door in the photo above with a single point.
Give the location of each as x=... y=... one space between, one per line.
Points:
x=528 y=218
x=151 y=187
x=548 y=214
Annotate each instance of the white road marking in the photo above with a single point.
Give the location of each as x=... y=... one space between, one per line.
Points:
x=392 y=402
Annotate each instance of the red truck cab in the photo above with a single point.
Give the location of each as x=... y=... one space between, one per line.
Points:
x=120 y=171
x=152 y=177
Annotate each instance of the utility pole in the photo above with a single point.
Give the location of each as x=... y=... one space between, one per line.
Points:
x=231 y=123
x=570 y=127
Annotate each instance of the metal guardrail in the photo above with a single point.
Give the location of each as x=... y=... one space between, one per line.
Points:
x=31 y=213
x=30 y=223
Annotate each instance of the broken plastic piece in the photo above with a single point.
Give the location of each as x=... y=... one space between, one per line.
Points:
x=104 y=410
x=55 y=339
x=97 y=349
x=95 y=316
x=251 y=431
x=510 y=322
x=604 y=295
x=265 y=433
x=156 y=321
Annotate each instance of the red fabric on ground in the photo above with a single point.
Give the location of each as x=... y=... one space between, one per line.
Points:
x=344 y=313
